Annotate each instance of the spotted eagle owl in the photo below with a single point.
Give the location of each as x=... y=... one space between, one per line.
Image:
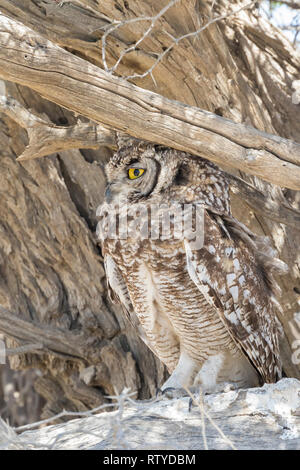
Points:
x=207 y=312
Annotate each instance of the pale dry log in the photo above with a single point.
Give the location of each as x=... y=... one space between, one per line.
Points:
x=296 y=94
x=46 y=138
x=252 y=419
x=73 y=83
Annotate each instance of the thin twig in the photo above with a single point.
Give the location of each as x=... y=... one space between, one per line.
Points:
x=185 y=36
x=203 y=421
x=117 y=429
x=160 y=56
x=124 y=396
x=229 y=442
x=201 y=406
x=63 y=414
x=153 y=20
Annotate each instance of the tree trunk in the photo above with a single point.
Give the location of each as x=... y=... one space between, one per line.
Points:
x=52 y=283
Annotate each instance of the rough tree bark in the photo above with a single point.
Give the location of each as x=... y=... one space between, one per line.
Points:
x=52 y=284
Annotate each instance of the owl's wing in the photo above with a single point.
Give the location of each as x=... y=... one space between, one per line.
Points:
x=116 y=286
x=118 y=294
x=226 y=273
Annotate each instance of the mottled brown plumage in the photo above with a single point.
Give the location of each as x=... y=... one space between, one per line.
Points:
x=208 y=313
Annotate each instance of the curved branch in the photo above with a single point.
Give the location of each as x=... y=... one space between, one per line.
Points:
x=46 y=138
x=29 y=59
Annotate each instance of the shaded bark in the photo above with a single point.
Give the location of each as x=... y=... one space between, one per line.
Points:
x=50 y=265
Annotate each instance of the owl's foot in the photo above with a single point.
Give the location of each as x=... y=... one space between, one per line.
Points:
x=223 y=387
x=181 y=378
x=171 y=392
x=175 y=392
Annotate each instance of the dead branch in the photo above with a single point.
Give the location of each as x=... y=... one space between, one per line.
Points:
x=63 y=414
x=29 y=59
x=54 y=340
x=46 y=138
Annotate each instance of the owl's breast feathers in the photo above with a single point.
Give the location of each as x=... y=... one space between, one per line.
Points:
x=219 y=297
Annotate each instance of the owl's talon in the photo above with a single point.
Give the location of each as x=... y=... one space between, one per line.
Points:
x=173 y=392
x=196 y=397
x=168 y=392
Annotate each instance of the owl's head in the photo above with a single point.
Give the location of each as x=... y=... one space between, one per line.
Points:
x=139 y=170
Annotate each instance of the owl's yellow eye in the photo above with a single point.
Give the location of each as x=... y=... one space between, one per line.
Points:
x=134 y=173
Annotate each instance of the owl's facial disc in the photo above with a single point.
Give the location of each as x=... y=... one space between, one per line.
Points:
x=134 y=180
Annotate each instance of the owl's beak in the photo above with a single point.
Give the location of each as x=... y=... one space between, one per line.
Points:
x=108 y=194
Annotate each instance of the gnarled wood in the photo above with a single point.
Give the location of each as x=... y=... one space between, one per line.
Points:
x=46 y=138
x=103 y=98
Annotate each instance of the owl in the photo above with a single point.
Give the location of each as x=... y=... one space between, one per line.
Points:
x=207 y=310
